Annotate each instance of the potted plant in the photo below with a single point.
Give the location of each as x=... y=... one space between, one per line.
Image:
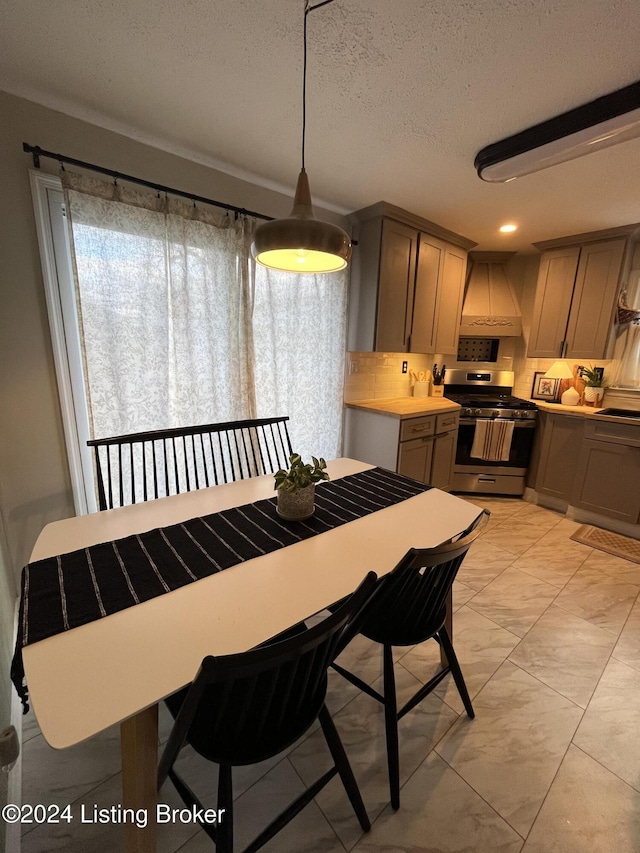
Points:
x=296 y=487
x=594 y=384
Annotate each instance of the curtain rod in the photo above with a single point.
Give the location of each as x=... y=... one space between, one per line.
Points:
x=38 y=152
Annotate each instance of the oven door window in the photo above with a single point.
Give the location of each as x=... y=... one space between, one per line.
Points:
x=519 y=454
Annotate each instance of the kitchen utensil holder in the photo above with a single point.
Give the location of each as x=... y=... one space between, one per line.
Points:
x=421 y=388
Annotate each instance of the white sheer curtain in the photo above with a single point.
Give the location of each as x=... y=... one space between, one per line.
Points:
x=299 y=329
x=164 y=303
x=178 y=327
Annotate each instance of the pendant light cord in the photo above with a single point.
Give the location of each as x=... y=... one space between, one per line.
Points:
x=307 y=8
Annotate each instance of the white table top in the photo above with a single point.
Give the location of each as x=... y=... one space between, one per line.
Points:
x=84 y=680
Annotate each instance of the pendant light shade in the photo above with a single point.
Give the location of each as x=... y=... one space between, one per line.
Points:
x=301 y=243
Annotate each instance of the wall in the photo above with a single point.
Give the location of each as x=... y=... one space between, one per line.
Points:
x=33 y=465
x=7 y=598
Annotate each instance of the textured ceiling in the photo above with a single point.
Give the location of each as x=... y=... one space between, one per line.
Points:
x=401 y=95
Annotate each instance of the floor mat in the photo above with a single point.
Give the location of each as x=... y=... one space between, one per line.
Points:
x=606 y=540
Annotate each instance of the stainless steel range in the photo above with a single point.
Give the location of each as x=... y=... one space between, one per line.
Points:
x=487 y=394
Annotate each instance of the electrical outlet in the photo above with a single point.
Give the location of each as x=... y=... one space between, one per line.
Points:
x=405 y=366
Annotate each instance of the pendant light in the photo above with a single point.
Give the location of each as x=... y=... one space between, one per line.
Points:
x=301 y=243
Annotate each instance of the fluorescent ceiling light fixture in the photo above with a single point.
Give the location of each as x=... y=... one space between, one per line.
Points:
x=301 y=243
x=508 y=229
x=591 y=127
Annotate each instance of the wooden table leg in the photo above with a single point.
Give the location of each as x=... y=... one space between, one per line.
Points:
x=139 y=749
x=448 y=624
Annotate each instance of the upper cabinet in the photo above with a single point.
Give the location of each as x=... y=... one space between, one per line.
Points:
x=576 y=295
x=407 y=283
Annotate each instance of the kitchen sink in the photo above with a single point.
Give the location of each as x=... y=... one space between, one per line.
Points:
x=621 y=413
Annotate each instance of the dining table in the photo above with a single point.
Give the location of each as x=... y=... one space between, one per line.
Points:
x=116 y=669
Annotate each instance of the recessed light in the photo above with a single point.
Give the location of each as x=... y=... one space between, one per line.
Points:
x=507 y=229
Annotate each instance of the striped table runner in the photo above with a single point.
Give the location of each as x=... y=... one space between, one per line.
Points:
x=66 y=591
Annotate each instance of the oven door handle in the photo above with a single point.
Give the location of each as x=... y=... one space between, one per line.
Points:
x=529 y=423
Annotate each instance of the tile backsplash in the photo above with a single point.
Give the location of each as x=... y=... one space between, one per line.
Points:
x=377 y=375
x=526 y=369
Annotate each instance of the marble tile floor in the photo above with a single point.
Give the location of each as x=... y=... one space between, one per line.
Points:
x=548 y=635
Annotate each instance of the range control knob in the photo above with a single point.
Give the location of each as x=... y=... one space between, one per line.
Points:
x=516 y=414
x=468 y=411
x=477 y=412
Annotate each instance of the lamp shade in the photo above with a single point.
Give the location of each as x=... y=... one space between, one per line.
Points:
x=301 y=243
x=559 y=370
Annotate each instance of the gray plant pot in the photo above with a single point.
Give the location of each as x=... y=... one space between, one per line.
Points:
x=296 y=506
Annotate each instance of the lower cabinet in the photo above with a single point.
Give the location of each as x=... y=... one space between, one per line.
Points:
x=590 y=464
x=423 y=448
x=444 y=457
x=415 y=458
x=607 y=480
x=559 y=437
x=430 y=458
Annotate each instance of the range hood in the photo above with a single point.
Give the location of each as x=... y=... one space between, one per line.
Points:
x=490 y=307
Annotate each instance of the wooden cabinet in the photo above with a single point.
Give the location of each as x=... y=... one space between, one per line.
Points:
x=558 y=441
x=575 y=300
x=608 y=471
x=423 y=447
x=439 y=291
x=396 y=284
x=415 y=457
x=407 y=283
x=443 y=459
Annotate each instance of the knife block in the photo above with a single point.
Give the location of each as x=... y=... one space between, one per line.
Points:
x=437 y=390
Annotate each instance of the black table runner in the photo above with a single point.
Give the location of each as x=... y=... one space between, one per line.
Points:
x=63 y=592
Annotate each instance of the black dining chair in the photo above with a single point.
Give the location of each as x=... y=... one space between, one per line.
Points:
x=410 y=607
x=143 y=466
x=244 y=708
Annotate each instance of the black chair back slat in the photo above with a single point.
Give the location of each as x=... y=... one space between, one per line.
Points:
x=132 y=474
x=205 y=467
x=254 y=440
x=144 y=471
x=166 y=466
x=228 y=451
x=225 y=477
x=213 y=461
x=259 y=431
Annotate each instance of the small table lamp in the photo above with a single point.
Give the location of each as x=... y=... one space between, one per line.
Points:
x=561 y=370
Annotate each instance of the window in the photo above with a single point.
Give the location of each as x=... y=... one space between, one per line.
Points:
x=171 y=325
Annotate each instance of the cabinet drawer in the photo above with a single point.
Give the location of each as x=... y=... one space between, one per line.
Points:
x=417 y=427
x=447 y=422
x=601 y=430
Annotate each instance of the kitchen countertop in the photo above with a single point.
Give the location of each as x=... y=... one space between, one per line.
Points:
x=582 y=412
x=406 y=407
